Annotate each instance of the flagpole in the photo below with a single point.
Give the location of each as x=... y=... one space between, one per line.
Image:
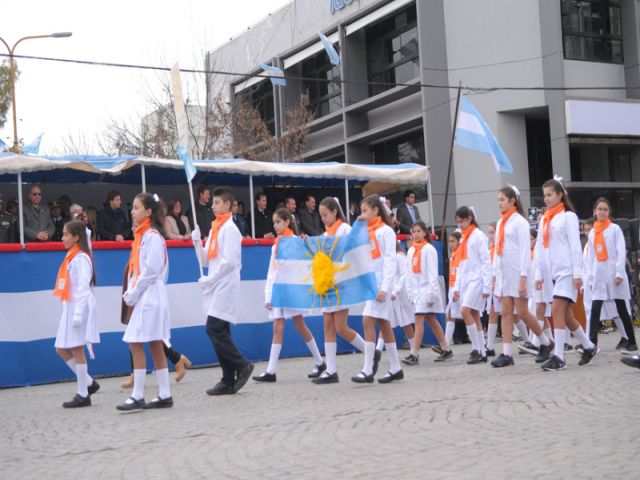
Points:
x=346 y=199
x=143 y=175
x=453 y=138
x=20 y=209
x=195 y=225
x=430 y=194
x=251 y=208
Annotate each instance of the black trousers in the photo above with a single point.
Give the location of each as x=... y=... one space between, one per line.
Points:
x=623 y=313
x=231 y=360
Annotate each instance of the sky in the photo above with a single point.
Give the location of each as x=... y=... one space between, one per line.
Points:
x=74 y=101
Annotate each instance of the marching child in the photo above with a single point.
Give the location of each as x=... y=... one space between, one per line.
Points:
x=285 y=226
x=147 y=294
x=78 y=325
x=401 y=308
x=222 y=255
x=494 y=307
x=453 y=306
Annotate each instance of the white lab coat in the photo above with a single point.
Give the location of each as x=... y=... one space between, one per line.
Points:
x=384 y=268
x=424 y=286
x=515 y=261
x=600 y=276
x=402 y=312
x=474 y=274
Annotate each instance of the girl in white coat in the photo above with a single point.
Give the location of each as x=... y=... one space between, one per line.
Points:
x=606 y=273
x=147 y=294
x=473 y=280
x=335 y=318
x=453 y=307
x=494 y=307
x=78 y=325
x=559 y=239
x=402 y=315
x=424 y=290
x=285 y=226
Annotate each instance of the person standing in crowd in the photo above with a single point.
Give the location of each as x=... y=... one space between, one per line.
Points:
x=407 y=214
x=241 y=209
x=453 y=306
x=7 y=224
x=176 y=225
x=353 y=211
x=58 y=220
x=204 y=214
x=310 y=223
x=65 y=201
x=38 y=226
x=238 y=219
x=222 y=255
x=290 y=205
x=263 y=221
x=113 y=223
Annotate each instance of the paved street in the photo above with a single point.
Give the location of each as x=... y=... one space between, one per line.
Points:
x=445 y=421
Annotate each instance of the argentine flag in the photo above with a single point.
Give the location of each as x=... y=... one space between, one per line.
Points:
x=34 y=147
x=275 y=74
x=473 y=133
x=321 y=272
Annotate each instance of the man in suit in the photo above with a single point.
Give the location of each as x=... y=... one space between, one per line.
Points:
x=263 y=220
x=408 y=214
x=238 y=219
x=290 y=204
x=310 y=222
x=38 y=226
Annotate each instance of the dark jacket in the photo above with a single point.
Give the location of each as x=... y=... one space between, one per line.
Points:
x=264 y=224
x=404 y=218
x=310 y=223
x=204 y=217
x=113 y=222
x=241 y=223
x=58 y=225
x=8 y=228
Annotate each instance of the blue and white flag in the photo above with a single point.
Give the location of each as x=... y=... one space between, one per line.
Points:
x=473 y=133
x=321 y=272
x=275 y=74
x=2 y=144
x=334 y=58
x=34 y=147
x=189 y=167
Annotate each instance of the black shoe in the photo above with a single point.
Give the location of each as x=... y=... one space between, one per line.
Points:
x=362 y=378
x=221 y=389
x=622 y=344
x=554 y=364
x=528 y=347
x=632 y=347
x=243 y=376
x=265 y=377
x=476 y=357
x=93 y=388
x=134 y=405
x=317 y=370
x=568 y=348
x=633 y=361
x=159 y=403
x=77 y=401
x=491 y=353
x=326 y=378
x=502 y=361
x=404 y=346
x=391 y=377
x=580 y=349
x=437 y=349
x=377 y=355
x=545 y=352
x=444 y=356
x=588 y=354
x=411 y=360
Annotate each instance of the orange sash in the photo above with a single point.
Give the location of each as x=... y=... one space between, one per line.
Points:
x=505 y=217
x=546 y=222
x=331 y=231
x=134 y=257
x=375 y=224
x=63 y=287
x=492 y=252
x=215 y=229
x=416 y=261
x=453 y=269
x=465 y=238
x=287 y=233
x=598 y=239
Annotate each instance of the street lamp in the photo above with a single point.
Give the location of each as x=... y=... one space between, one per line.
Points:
x=12 y=79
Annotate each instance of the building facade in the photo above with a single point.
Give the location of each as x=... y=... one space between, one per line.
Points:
x=392 y=99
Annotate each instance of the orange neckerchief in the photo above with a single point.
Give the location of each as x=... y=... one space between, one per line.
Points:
x=375 y=224
x=134 y=258
x=465 y=238
x=492 y=252
x=532 y=254
x=215 y=229
x=416 y=261
x=453 y=269
x=331 y=231
x=287 y=233
x=549 y=213
x=63 y=289
x=598 y=239
x=505 y=217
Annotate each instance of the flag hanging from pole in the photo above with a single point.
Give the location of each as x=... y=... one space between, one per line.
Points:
x=473 y=133
x=34 y=147
x=182 y=123
x=275 y=74
x=334 y=58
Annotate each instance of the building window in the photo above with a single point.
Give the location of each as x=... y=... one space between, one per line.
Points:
x=260 y=97
x=592 y=30
x=406 y=149
x=325 y=94
x=392 y=50
x=601 y=163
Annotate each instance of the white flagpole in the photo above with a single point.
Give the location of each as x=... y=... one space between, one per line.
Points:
x=346 y=199
x=195 y=224
x=143 y=174
x=20 y=209
x=252 y=204
x=430 y=193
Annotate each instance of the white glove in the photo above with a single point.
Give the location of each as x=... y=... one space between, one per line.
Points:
x=195 y=235
x=129 y=298
x=77 y=321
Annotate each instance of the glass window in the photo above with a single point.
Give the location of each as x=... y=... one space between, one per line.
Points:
x=325 y=94
x=592 y=30
x=392 y=50
x=600 y=163
x=260 y=97
x=405 y=149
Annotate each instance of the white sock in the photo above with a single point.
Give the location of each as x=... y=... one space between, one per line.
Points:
x=567 y=338
x=582 y=338
x=522 y=328
x=541 y=323
x=472 y=331
x=482 y=349
x=81 y=374
x=369 y=350
x=358 y=342
x=448 y=332
x=71 y=363
x=274 y=354
x=620 y=327
x=543 y=339
x=330 y=349
x=559 y=348
x=139 y=375
x=535 y=340
x=315 y=351
x=506 y=349
x=164 y=390
x=549 y=333
x=380 y=344
x=410 y=340
x=394 y=360
x=492 y=330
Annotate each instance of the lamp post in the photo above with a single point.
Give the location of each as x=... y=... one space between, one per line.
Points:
x=12 y=80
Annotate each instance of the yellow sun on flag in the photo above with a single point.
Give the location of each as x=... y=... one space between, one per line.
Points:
x=324 y=269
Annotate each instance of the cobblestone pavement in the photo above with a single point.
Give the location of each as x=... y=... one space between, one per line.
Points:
x=444 y=420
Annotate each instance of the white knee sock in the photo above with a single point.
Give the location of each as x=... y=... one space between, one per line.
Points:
x=522 y=329
x=81 y=374
x=506 y=349
x=582 y=338
x=492 y=330
x=274 y=354
x=549 y=333
x=567 y=337
x=71 y=363
x=448 y=332
x=560 y=339
x=620 y=327
x=472 y=331
x=358 y=342
x=394 y=360
x=139 y=375
x=164 y=391
x=482 y=349
x=315 y=351
x=330 y=349
x=380 y=343
x=410 y=340
x=369 y=349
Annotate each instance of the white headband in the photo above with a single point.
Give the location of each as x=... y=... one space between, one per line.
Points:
x=515 y=189
x=473 y=210
x=156 y=198
x=560 y=180
x=339 y=207
x=384 y=204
